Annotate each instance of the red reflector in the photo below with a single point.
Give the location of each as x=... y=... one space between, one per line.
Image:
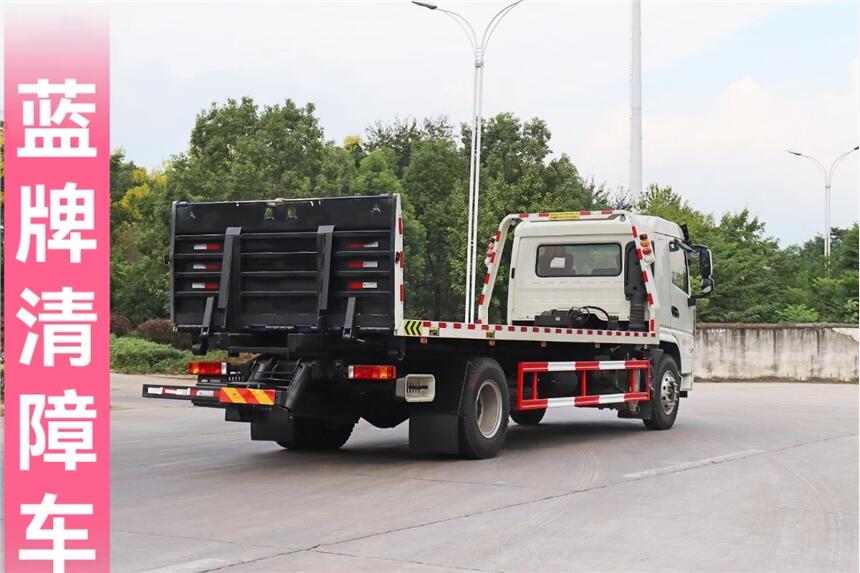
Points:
x=207 y=247
x=213 y=266
x=372 y=372
x=355 y=264
x=207 y=368
x=355 y=285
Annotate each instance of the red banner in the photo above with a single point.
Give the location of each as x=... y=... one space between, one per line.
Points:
x=56 y=288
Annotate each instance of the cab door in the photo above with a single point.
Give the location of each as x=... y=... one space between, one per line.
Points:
x=683 y=315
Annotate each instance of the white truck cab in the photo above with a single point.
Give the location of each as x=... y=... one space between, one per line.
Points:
x=591 y=266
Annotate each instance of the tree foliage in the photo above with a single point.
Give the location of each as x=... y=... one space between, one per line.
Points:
x=240 y=150
x=756 y=280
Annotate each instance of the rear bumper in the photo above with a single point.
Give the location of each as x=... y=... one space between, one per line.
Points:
x=215 y=396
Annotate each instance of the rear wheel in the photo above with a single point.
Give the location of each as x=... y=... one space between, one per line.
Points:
x=527 y=417
x=665 y=395
x=317 y=435
x=484 y=407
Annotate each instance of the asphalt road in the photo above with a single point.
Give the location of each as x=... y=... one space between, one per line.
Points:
x=753 y=477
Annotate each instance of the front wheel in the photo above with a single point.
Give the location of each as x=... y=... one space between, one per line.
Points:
x=665 y=395
x=484 y=407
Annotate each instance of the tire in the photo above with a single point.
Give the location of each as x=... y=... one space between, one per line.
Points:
x=484 y=408
x=317 y=435
x=527 y=417
x=665 y=395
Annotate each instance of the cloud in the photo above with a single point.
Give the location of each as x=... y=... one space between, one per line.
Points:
x=718 y=113
x=729 y=152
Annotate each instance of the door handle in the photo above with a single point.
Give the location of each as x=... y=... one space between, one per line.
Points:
x=675 y=312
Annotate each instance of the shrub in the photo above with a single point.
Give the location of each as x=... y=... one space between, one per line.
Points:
x=131 y=355
x=119 y=324
x=158 y=330
x=797 y=313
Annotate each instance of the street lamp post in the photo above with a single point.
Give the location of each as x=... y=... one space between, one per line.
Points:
x=479 y=49
x=828 y=177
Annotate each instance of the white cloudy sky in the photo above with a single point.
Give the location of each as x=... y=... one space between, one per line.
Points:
x=728 y=86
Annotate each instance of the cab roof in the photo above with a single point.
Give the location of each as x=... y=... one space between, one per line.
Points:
x=616 y=225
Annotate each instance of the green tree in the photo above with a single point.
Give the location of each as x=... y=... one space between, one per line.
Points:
x=433 y=182
x=747 y=263
x=515 y=178
x=140 y=238
x=241 y=151
x=401 y=135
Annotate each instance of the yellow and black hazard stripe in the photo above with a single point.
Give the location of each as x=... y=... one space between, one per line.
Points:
x=250 y=396
x=412 y=327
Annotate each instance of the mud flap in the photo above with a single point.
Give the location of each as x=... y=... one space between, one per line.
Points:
x=434 y=427
x=276 y=426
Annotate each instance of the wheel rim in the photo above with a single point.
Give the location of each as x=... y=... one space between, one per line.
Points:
x=668 y=392
x=488 y=408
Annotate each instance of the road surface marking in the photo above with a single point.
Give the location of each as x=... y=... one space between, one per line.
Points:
x=694 y=464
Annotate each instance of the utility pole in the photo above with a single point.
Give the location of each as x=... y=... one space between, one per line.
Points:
x=636 y=101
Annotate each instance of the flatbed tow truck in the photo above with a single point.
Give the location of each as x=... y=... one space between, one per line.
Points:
x=599 y=314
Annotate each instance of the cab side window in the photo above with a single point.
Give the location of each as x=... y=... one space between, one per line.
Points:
x=678 y=267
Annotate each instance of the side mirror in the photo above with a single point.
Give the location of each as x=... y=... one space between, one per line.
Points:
x=706 y=270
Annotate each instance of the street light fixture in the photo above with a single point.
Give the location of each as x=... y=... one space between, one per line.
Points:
x=828 y=177
x=479 y=49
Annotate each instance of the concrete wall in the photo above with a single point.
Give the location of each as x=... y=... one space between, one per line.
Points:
x=819 y=352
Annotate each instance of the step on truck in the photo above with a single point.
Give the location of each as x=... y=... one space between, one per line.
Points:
x=600 y=314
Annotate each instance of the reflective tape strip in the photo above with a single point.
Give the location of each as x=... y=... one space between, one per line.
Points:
x=231 y=395
x=585 y=365
x=250 y=396
x=179 y=392
x=263 y=397
x=592 y=400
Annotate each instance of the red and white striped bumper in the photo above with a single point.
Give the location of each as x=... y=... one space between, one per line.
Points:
x=533 y=369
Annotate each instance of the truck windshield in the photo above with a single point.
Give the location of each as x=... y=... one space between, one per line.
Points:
x=580 y=260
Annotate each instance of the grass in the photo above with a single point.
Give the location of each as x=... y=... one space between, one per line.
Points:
x=133 y=355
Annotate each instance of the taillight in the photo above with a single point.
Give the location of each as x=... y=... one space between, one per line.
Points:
x=207 y=368
x=372 y=372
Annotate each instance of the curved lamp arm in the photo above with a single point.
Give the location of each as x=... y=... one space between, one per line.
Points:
x=814 y=160
x=840 y=158
x=491 y=27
